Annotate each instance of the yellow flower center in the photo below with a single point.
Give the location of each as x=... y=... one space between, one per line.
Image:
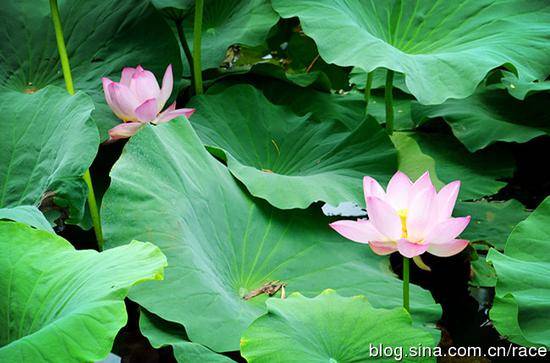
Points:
x=403 y=215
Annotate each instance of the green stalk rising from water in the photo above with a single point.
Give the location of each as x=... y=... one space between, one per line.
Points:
x=406 y=304
x=367 y=91
x=388 y=97
x=66 y=68
x=197 y=35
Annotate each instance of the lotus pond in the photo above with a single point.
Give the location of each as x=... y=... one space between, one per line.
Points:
x=274 y=181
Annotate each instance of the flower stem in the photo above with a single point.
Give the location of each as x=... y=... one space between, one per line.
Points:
x=406 y=283
x=389 y=101
x=367 y=90
x=197 y=34
x=66 y=68
x=186 y=50
x=94 y=210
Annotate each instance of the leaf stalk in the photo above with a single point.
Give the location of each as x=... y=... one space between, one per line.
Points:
x=367 y=90
x=66 y=69
x=197 y=36
x=186 y=49
x=388 y=98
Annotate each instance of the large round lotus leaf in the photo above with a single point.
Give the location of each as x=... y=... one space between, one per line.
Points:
x=63 y=305
x=291 y=161
x=225 y=22
x=27 y=214
x=521 y=310
x=491 y=115
x=492 y=221
x=162 y=333
x=48 y=141
x=447 y=160
x=102 y=37
x=444 y=48
x=331 y=328
x=223 y=244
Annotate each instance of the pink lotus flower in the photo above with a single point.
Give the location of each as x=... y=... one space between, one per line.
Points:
x=411 y=218
x=138 y=100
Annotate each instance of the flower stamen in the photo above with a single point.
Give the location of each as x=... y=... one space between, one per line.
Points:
x=403 y=215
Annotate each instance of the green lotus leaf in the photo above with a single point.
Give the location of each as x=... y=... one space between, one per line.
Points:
x=504 y=315
x=225 y=23
x=183 y=6
x=273 y=69
x=279 y=156
x=63 y=305
x=291 y=56
x=491 y=115
x=102 y=36
x=322 y=76
x=315 y=79
x=331 y=328
x=447 y=160
x=301 y=59
x=358 y=77
x=482 y=274
x=27 y=214
x=521 y=310
x=223 y=245
x=492 y=221
x=444 y=48
x=348 y=107
x=521 y=88
x=48 y=141
x=161 y=333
